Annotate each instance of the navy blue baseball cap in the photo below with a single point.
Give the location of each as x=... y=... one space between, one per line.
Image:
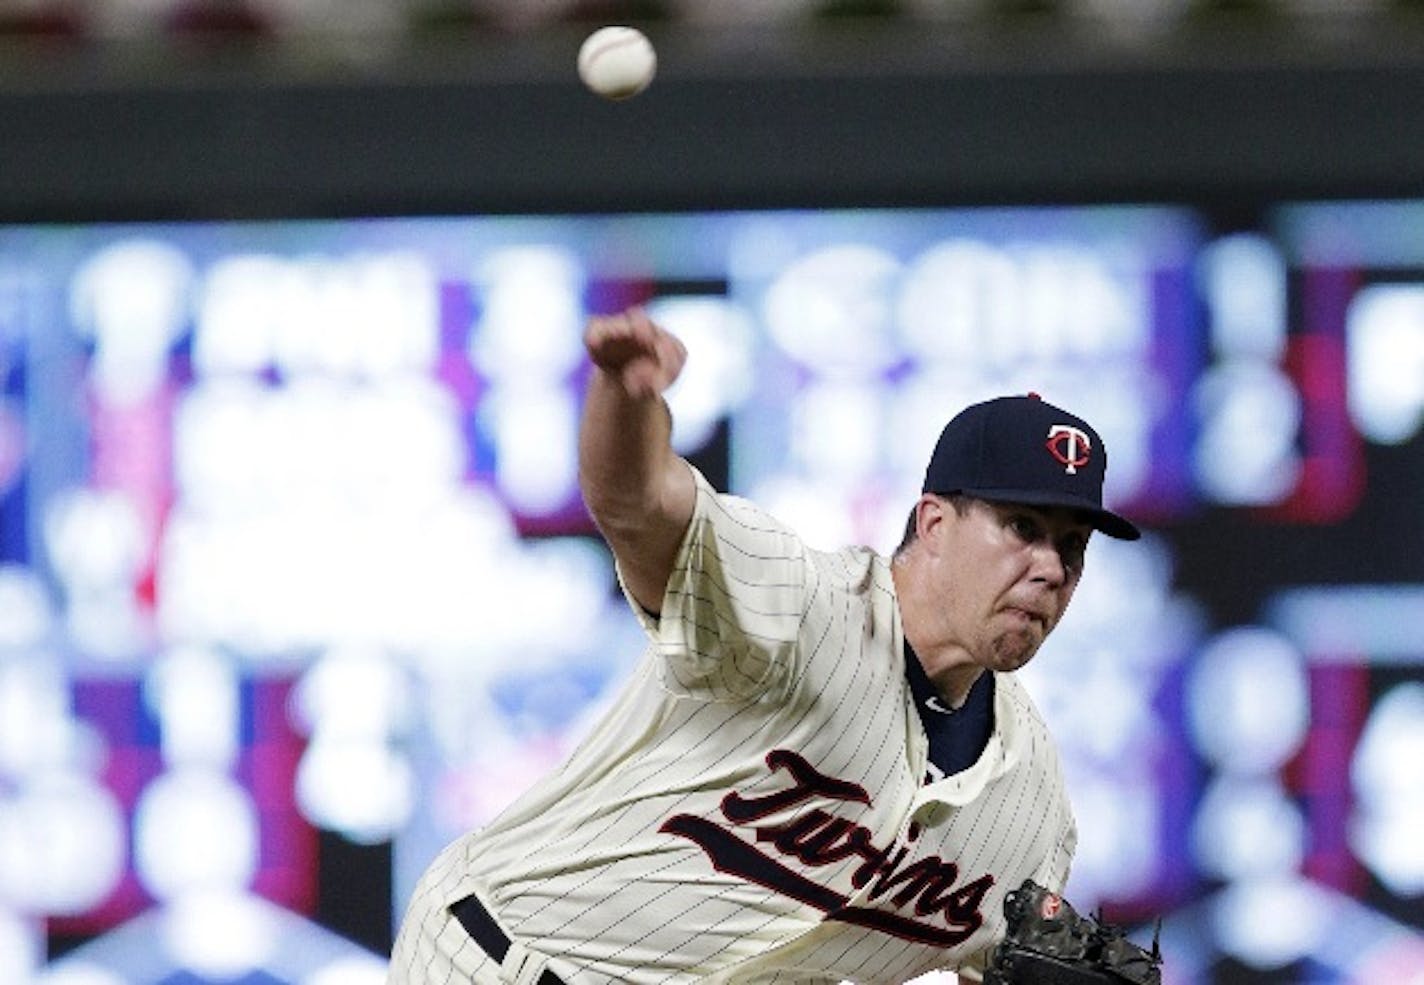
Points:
x=1025 y=450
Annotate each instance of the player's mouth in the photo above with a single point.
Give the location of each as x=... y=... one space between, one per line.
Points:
x=1028 y=616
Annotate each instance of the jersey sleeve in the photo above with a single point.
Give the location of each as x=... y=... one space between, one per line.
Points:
x=733 y=605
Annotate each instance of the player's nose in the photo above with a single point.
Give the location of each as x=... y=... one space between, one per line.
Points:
x=1047 y=565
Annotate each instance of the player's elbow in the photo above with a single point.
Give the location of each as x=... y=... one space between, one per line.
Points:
x=655 y=504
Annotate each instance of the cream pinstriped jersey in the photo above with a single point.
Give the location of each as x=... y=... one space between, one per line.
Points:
x=754 y=807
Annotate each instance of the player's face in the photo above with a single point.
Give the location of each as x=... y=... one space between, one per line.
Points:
x=1006 y=573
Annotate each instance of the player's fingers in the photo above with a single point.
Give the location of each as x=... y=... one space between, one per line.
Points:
x=610 y=342
x=672 y=356
x=618 y=342
x=618 y=335
x=653 y=375
x=601 y=328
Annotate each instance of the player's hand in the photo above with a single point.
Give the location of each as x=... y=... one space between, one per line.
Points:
x=635 y=352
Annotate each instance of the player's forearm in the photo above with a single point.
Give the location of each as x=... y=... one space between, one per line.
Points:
x=624 y=450
x=638 y=490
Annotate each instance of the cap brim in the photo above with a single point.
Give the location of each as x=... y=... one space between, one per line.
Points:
x=1107 y=521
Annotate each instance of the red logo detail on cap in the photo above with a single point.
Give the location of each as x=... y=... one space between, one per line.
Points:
x=1070 y=445
x=1049 y=908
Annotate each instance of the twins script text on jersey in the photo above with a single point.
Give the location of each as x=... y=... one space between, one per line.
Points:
x=928 y=887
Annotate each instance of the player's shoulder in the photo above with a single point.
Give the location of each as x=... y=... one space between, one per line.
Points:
x=1021 y=725
x=731 y=513
x=1012 y=699
x=747 y=525
x=855 y=569
x=860 y=561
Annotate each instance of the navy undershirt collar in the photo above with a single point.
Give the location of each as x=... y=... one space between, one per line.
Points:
x=957 y=736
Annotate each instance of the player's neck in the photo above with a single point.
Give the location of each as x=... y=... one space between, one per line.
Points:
x=953 y=679
x=950 y=666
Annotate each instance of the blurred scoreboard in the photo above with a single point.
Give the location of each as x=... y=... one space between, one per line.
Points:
x=285 y=508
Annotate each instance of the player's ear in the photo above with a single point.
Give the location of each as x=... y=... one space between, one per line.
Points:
x=931 y=513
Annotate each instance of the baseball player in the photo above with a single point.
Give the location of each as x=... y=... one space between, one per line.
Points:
x=824 y=768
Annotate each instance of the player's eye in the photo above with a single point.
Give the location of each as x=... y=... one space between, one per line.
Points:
x=1026 y=527
x=1073 y=549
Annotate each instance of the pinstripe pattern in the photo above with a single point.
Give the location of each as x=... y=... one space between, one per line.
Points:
x=681 y=842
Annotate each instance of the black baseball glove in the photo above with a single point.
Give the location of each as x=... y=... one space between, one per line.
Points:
x=1049 y=943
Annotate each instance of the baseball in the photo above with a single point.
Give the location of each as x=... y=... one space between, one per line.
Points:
x=617 y=62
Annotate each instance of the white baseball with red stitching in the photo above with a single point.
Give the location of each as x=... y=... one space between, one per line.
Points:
x=617 y=62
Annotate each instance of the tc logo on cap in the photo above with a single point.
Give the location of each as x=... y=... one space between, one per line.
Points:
x=1070 y=445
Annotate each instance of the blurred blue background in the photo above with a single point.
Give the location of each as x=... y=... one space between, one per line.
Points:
x=295 y=582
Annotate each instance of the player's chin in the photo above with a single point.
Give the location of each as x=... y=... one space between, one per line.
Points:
x=1014 y=650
